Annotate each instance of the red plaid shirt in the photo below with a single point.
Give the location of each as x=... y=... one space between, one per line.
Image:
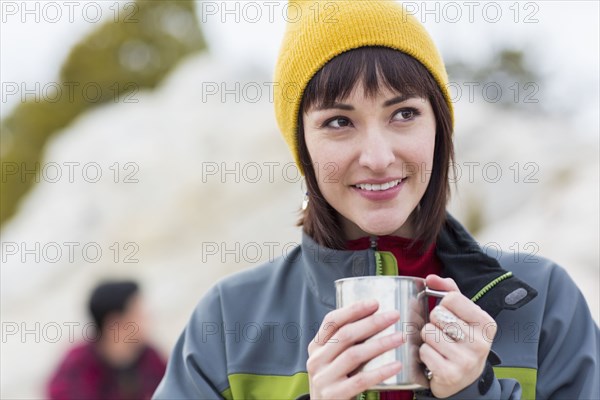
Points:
x=83 y=374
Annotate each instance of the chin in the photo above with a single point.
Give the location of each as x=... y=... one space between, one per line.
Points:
x=387 y=228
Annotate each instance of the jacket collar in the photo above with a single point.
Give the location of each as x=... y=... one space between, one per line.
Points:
x=462 y=258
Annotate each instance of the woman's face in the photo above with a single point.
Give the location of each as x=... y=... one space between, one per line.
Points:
x=373 y=159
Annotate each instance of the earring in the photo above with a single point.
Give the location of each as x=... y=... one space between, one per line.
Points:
x=305 y=201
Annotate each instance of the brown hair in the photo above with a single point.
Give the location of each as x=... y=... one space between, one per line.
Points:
x=400 y=72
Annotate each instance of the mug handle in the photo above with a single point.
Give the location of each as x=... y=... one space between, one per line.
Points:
x=435 y=293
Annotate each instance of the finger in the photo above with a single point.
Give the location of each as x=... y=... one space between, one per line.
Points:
x=359 y=354
x=340 y=317
x=363 y=381
x=365 y=328
x=433 y=360
x=442 y=343
x=436 y=282
x=455 y=301
x=465 y=309
x=450 y=324
x=355 y=332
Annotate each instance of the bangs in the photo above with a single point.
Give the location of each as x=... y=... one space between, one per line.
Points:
x=375 y=67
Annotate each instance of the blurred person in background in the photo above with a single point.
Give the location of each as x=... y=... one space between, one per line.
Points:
x=371 y=130
x=119 y=363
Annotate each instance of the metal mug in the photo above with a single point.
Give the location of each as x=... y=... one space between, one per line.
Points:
x=408 y=295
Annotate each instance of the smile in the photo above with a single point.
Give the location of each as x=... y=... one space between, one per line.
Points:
x=374 y=187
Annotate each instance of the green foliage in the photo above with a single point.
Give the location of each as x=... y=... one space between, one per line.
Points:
x=136 y=51
x=474 y=218
x=508 y=71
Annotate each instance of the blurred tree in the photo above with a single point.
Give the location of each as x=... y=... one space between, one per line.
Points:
x=508 y=72
x=506 y=80
x=136 y=51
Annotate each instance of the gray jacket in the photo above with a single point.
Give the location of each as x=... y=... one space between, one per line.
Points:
x=248 y=336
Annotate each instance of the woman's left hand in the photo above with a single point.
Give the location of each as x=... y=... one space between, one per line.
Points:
x=456 y=341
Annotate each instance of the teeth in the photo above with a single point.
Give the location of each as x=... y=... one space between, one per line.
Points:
x=376 y=187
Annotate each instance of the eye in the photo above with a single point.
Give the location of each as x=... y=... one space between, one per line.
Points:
x=336 y=123
x=406 y=114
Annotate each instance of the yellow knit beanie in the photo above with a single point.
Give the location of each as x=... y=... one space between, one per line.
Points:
x=319 y=30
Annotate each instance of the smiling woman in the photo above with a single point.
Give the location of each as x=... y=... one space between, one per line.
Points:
x=371 y=130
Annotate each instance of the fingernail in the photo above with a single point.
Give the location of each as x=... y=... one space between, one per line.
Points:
x=443 y=315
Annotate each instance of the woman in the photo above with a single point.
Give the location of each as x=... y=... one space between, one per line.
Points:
x=361 y=99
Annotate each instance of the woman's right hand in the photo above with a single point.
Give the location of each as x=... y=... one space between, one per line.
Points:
x=338 y=350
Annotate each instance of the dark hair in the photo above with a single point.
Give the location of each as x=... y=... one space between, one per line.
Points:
x=375 y=66
x=109 y=297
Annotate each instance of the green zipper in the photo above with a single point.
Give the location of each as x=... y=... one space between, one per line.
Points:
x=378 y=260
x=368 y=395
x=378 y=264
x=490 y=285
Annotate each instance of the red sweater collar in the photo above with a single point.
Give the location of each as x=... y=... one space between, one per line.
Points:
x=410 y=261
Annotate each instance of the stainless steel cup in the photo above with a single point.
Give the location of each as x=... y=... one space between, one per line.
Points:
x=408 y=295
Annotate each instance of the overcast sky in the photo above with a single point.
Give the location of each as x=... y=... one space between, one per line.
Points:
x=561 y=36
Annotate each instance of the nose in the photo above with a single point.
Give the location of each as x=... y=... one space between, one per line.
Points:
x=376 y=151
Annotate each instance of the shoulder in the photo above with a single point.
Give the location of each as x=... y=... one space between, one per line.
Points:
x=77 y=362
x=78 y=359
x=276 y=271
x=83 y=352
x=556 y=289
x=152 y=356
x=538 y=271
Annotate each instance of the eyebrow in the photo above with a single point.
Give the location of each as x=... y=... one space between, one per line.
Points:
x=348 y=107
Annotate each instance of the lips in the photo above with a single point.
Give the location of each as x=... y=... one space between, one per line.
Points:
x=384 y=190
x=380 y=186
